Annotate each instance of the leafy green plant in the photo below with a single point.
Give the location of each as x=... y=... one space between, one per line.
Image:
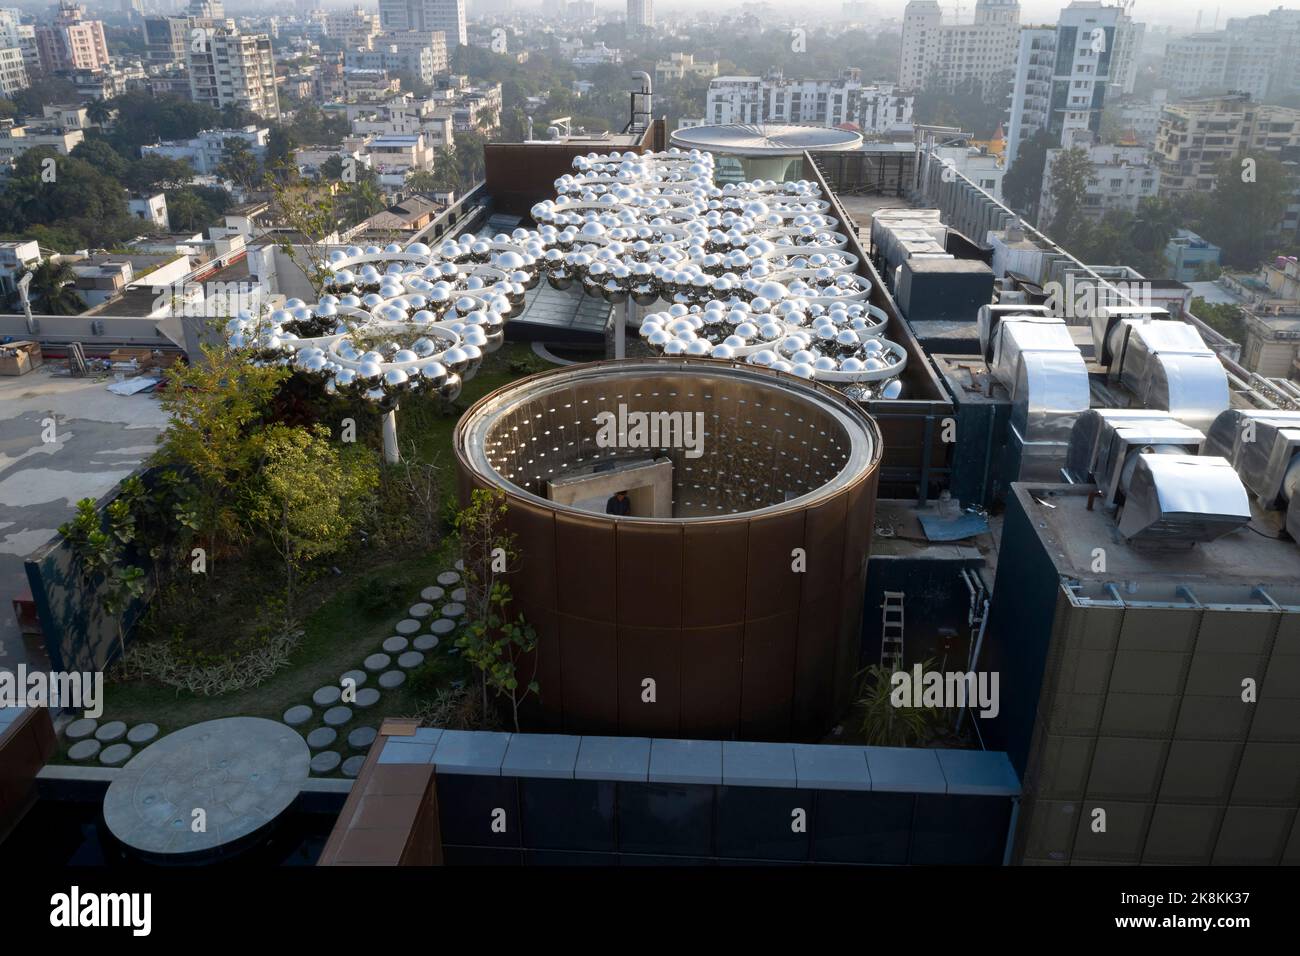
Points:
x=885 y=723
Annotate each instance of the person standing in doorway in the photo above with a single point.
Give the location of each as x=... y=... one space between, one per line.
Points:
x=619 y=504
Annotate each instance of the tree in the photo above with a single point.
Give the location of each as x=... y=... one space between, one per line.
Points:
x=308 y=497
x=885 y=723
x=1225 y=318
x=314 y=215
x=98 y=153
x=152 y=173
x=1023 y=184
x=1242 y=214
x=1071 y=171
x=362 y=199
x=98 y=111
x=54 y=286
x=494 y=642
x=238 y=164
x=216 y=408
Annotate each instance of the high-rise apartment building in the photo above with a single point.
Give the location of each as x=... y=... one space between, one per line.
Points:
x=1258 y=55
x=234 y=68
x=71 y=42
x=354 y=28
x=814 y=102
x=15 y=36
x=1195 y=136
x=444 y=16
x=640 y=16
x=1065 y=74
x=13 y=72
x=165 y=40
x=950 y=54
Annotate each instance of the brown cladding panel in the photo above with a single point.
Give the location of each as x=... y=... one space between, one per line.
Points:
x=711 y=672
x=534 y=528
x=824 y=534
x=814 y=672
x=768 y=670
x=655 y=653
x=649 y=575
x=848 y=649
x=774 y=586
x=590 y=657
x=543 y=710
x=585 y=566
x=715 y=565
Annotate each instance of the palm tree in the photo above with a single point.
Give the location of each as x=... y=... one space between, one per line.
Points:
x=54 y=287
x=362 y=199
x=98 y=111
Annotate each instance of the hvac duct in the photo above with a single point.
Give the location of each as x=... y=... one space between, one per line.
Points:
x=1106 y=442
x=990 y=316
x=1264 y=448
x=1036 y=360
x=1177 y=501
x=1165 y=365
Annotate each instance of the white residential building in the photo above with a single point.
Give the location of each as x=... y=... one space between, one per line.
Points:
x=980 y=167
x=152 y=209
x=1065 y=75
x=954 y=53
x=234 y=68
x=13 y=71
x=353 y=28
x=816 y=102
x=680 y=65
x=446 y=16
x=205 y=151
x=1122 y=176
x=16 y=140
x=1259 y=55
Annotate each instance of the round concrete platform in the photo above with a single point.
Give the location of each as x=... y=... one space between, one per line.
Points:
x=242 y=772
x=434 y=593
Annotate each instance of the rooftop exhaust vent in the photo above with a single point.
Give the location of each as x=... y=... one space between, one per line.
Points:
x=1181 y=500
x=1264 y=448
x=1105 y=443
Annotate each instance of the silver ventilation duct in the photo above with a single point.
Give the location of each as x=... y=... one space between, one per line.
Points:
x=1264 y=448
x=1105 y=319
x=1036 y=360
x=990 y=316
x=1182 y=500
x=1106 y=443
x=1166 y=365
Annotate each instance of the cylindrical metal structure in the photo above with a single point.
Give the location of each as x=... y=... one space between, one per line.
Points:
x=743 y=608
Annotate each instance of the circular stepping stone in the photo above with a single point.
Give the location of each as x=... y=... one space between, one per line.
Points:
x=115 y=755
x=396 y=644
x=327 y=695
x=432 y=593
x=376 y=662
x=390 y=679
x=352 y=766
x=337 y=716
x=322 y=737
x=142 y=733
x=448 y=578
x=453 y=609
x=460 y=565
x=367 y=697
x=410 y=659
x=421 y=610
x=113 y=730
x=357 y=677
x=407 y=626
x=425 y=642
x=325 y=762
x=79 y=729
x=443 y=626
x=458 y=595
x=297 y=715
x=84 y=749
x=362 y=737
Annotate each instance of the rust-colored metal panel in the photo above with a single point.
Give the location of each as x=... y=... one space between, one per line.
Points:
x=774 y=585
x=543 y=710
x=534 y=528
x=589 y=653
x=715 y=566
x=711 y=671
x=655 y=654
x=814 y=670
x=585 y=566
x=650 y=574
x=848 y=648
x=825 y=530
x=767 y=670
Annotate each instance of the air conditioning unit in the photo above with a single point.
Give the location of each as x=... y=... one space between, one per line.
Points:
x=1177 y=501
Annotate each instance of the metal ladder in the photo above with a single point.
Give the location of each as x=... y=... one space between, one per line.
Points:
x=891 y=631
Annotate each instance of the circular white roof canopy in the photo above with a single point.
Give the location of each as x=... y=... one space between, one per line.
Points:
x=748 y=139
